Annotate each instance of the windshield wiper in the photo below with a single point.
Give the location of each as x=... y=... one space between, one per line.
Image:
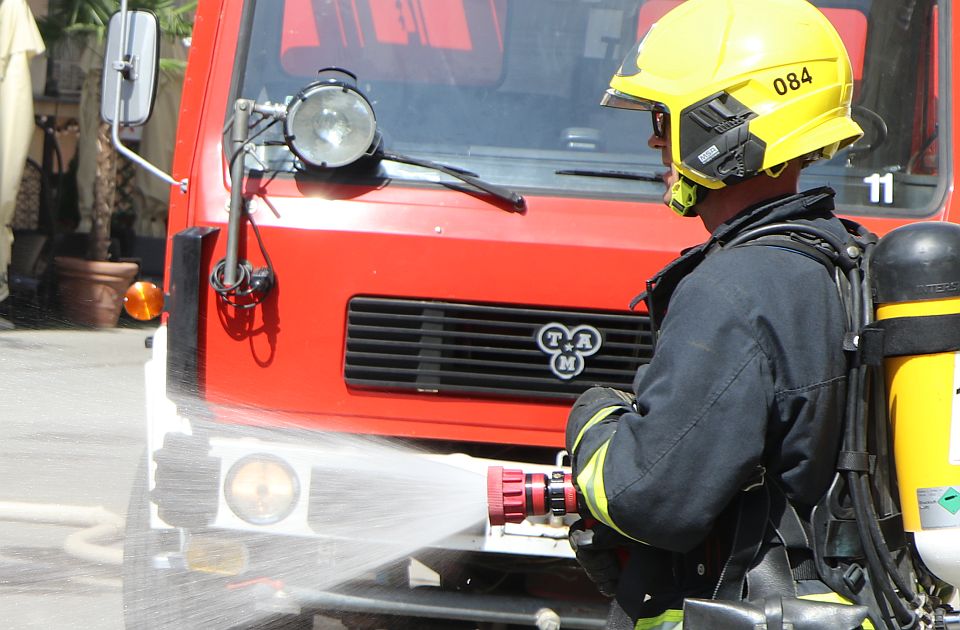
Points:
x=514 y=199
x=643 y=177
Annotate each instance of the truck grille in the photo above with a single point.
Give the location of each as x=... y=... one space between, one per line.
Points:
x=447 y=347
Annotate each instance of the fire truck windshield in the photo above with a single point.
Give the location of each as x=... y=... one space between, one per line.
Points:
x=510 y=90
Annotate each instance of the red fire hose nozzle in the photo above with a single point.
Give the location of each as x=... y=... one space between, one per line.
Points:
x=512 y=495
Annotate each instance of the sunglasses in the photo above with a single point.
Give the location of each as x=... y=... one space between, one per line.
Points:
x=660 y=121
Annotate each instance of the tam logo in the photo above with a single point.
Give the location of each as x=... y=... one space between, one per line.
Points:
x=568 y=347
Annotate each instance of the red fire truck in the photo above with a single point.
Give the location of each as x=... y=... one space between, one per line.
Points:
x=411 y=219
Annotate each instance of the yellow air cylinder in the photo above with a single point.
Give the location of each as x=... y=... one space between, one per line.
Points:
x=916 y=274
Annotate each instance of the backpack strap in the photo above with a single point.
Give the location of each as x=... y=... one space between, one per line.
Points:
x=794 y=243
x=749 y=535
x=771 y=548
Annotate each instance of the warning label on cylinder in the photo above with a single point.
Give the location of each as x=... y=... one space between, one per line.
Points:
x=939 y=507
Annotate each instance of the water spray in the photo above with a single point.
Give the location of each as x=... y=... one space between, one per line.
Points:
x=513 y=495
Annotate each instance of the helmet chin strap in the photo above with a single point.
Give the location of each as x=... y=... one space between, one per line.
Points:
x=685 y=194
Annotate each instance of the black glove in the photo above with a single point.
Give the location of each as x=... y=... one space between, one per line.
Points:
x=595 y=549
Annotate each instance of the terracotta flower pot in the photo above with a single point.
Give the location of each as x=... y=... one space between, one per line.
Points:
x=91 y=291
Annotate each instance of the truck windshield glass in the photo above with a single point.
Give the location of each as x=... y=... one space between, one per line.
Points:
x=510 y=90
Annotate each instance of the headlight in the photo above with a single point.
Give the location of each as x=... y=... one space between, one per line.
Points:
x=330 y=124
x=261 y=489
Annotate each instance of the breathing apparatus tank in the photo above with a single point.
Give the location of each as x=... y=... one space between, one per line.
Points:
x=916 y=282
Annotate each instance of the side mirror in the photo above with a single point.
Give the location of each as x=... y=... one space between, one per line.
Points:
x=131 y=67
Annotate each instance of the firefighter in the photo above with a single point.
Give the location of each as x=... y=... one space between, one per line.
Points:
x=707 y=472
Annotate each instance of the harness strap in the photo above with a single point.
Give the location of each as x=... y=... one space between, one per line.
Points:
x=771 y=575
x=842 y=540
x=748 y=537
x=793 y=244
x=906 y=336
x=771 y=548
x=792 y=237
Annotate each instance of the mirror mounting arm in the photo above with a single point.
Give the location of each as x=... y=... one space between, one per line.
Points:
x=242 y=109
x=126 y=66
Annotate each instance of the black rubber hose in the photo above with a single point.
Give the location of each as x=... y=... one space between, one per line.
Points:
x=871 y=376
x=855 y=431
x=858 y=486
x=886 y=558
x=854 y=442
x=881 y=580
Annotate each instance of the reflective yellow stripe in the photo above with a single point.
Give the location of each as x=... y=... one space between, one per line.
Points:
x=597 y=417
x=667 y=620
x=590 y=482
x=835 y=598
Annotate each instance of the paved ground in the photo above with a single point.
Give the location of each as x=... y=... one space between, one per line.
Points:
x=71 y=433
x=72 y=426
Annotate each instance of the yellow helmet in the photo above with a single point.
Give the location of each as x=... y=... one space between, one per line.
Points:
x=748 y=84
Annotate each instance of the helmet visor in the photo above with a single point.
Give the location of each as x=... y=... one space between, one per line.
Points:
x=621 y=100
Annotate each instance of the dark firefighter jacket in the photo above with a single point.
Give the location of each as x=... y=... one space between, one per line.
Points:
x=748 y=372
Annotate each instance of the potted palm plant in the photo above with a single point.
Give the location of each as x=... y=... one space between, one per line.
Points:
x=91 y=288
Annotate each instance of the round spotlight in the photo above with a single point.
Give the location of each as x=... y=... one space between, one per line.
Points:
x=330 y=124
x=261 y=489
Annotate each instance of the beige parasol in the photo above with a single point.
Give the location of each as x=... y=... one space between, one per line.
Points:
x=19 y=41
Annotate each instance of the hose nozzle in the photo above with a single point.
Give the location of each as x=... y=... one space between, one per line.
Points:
x=513 y=495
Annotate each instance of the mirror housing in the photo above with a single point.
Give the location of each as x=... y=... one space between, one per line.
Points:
x=131 y=65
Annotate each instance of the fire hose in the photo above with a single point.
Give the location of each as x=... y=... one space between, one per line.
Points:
x=513 y=495
x=99 y=525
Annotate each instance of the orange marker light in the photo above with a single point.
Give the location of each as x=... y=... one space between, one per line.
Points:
x=143 y=301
